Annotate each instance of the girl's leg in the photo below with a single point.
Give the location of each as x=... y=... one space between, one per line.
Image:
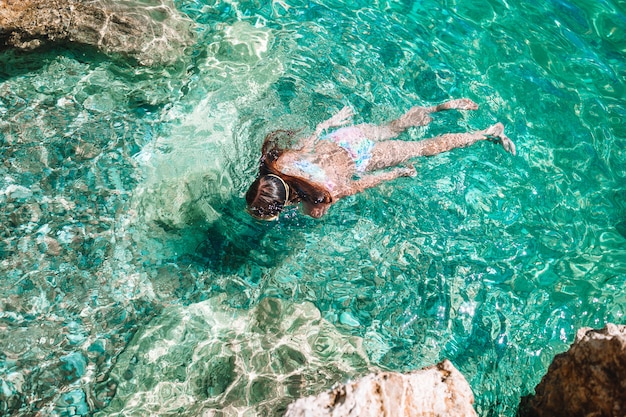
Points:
x=395 y=152
x=416 y=116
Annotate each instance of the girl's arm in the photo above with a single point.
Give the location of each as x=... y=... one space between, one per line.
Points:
x=365 y=182
x=372 y=180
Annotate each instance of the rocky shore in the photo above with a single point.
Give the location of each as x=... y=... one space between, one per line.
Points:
x=439 y=390
x=152 y=34
x=587 y=380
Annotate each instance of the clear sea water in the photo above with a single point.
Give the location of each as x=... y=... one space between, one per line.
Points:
x=134 y=283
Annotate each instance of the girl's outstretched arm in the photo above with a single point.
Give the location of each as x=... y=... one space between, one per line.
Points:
x=366 y=181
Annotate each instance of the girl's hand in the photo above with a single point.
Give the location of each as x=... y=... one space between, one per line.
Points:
x=343 y=117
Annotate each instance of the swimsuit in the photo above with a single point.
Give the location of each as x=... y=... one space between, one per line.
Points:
x=353 y=140
x=314 y=171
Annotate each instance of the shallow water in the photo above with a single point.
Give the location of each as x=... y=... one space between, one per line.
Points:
x=134 y=282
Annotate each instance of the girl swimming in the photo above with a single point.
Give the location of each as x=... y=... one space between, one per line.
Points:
x=323 y=168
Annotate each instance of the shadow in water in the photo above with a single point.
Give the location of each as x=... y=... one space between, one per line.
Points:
x=235 y=253
x=238 y=240
x=16 y=62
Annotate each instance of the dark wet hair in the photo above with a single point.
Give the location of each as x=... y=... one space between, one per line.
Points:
x=267 y=195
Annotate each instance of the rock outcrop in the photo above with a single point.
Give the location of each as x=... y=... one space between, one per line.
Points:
x=439 y=390
x=153 y=33
x=587 y=380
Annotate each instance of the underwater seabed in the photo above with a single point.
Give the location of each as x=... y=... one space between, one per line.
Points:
x=134 y=282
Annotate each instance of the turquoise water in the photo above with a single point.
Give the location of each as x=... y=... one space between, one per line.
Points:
x=134 y=283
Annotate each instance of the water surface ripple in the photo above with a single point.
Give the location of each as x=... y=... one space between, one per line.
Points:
x=134 y=283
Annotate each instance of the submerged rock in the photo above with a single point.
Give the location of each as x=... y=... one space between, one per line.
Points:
x=439 y=390
x=210 y=359
x=153 y=33
x=587 y=380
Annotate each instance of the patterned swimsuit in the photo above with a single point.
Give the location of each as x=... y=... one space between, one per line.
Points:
x=356 y=143
x=349 y=138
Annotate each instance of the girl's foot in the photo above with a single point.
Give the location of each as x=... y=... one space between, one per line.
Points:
x=458 y=104
x=496 y=134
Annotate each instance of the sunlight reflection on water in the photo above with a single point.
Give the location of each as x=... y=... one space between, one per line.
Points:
x=122 y=209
